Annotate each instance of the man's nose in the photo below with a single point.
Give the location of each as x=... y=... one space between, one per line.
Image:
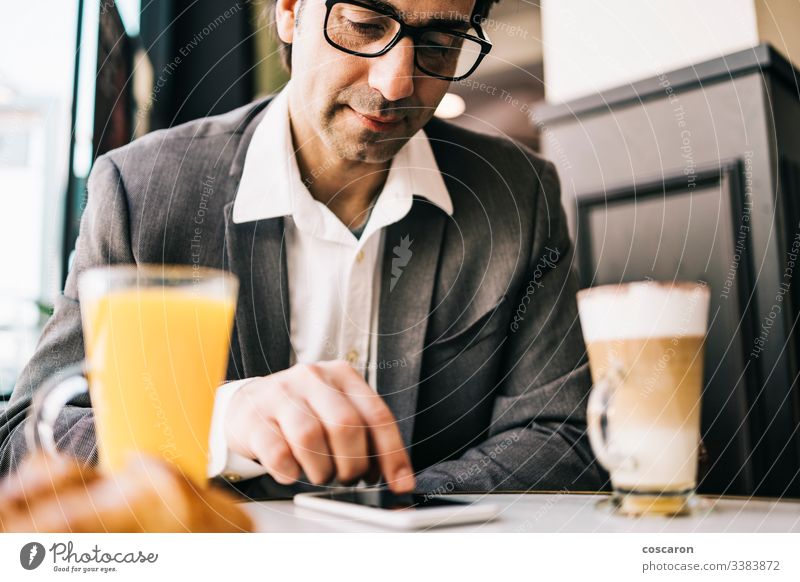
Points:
x=393 y=73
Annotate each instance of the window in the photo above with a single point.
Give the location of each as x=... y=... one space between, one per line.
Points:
x=36 y=86
x=43 y=163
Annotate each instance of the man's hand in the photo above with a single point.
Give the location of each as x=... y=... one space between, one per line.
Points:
x=322 y=420
x=149 y=495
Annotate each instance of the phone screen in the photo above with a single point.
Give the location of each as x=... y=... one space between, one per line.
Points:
x=385 y=499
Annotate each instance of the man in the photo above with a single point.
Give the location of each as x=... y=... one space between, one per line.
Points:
x=407 y=305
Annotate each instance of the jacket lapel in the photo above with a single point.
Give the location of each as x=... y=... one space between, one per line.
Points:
x=410 y=259
x=255 y=253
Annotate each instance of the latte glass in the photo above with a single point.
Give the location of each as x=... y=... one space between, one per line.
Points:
x=645 y=345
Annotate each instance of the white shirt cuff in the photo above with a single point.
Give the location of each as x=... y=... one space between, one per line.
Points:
x=222 y=461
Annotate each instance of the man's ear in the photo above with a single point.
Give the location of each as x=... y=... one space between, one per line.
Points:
x=285 y=18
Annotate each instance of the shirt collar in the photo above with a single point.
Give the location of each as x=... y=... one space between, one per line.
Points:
x=271 y=185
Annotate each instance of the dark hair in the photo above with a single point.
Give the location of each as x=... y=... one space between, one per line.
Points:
x=482 y=8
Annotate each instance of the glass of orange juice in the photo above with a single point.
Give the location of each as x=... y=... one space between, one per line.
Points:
x=156 y=339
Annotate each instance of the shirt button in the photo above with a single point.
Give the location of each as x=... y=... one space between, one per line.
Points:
x=232 y=477
x=352 y=357
x=360 y=256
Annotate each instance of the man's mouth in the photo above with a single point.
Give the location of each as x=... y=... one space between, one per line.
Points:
x=378 y=122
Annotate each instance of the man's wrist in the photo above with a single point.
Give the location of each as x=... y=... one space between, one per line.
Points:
x=223 y=462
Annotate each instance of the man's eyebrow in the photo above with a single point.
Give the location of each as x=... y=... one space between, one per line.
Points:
x=455 y=22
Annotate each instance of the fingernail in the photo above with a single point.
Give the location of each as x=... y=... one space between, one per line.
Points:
x=404 y=480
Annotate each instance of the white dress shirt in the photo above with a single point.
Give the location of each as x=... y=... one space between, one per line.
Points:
x=334 y=277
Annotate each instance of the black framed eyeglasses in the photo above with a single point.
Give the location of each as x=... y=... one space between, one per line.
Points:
x=367 y=30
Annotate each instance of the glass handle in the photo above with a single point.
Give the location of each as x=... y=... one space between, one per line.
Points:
x=47 y=404
x=599 y=412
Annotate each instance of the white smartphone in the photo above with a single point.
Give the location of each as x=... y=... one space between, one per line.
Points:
x=382 y=507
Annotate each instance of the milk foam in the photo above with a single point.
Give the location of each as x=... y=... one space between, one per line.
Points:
x=643 y=309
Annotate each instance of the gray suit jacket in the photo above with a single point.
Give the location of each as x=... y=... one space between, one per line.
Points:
x=483 y=360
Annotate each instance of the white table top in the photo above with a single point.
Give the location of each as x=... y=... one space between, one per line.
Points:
x=558 y=512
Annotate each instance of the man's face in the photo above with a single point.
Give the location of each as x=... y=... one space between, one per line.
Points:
x=366 y=109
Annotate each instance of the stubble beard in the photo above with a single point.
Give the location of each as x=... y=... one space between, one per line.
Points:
x=361 y=146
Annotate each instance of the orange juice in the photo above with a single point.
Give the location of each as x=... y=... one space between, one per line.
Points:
x=156 y=356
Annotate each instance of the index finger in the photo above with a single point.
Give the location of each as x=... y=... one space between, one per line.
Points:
x=390 y=450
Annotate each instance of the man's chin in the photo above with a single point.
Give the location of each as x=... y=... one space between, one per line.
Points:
x=371 y=149
x=381 y=153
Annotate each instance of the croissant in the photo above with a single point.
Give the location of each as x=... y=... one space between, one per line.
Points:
x=60 y=495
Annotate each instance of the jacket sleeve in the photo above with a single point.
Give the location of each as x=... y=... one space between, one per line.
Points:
x=104 y=239
x=537 y=437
